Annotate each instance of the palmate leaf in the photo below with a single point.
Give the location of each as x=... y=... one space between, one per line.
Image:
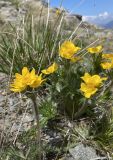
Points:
x=47 y=110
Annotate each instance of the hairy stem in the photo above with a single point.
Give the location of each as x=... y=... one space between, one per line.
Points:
x=81 y=110
x=36 y=112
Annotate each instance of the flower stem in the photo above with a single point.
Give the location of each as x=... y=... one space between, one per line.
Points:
x=36 y=112
x=81 y=110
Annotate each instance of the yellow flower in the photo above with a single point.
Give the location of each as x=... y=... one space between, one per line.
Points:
x=91 y=84
x=106 y=65
x=88 y=90
x=94 y=80
x=68 y=49
x=107 y=56
x=50 y=69
x=25 y=79
x=58 y=11
x=93 y=50
x=108 y=61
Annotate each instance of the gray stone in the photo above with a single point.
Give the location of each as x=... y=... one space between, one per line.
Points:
x=1 y=110
x=81 y=152
x=28 y=118
x=2 y=98
x=69 y=158
x=4 y=124
x=17 y=127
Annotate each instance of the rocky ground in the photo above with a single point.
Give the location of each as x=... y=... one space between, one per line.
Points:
x=16 y=118
x=15 y=111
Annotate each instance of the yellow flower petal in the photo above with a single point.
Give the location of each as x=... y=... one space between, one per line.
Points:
x=83 y=87
x=32 y=72
x=18 y=76
x=86 y=78
x=96 y=80
x=38 y=82
x=25 y=71
x=50 y=69
x=18 y=86
x=90 y=93
x=88 y=90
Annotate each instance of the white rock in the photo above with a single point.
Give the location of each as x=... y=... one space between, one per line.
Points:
x=81 y=152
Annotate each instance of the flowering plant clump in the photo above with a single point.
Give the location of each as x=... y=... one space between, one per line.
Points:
x=67 y=80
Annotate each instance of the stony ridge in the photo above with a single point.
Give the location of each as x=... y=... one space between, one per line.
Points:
x=13 y=10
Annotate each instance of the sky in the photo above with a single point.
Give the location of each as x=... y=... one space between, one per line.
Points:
x=86 y=7
x=97 y=11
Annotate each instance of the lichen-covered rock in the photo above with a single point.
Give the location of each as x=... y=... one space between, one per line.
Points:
x=81 y=152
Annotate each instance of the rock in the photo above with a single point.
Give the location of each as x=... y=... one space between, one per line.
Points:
x=28 y=118
x=79 y=17
x=16 y=127
x=7 y=11
x=81 y=152
x=4 y=124
x=1 y=110
x=2 y=98
x=13 y=103
x=69 y=158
